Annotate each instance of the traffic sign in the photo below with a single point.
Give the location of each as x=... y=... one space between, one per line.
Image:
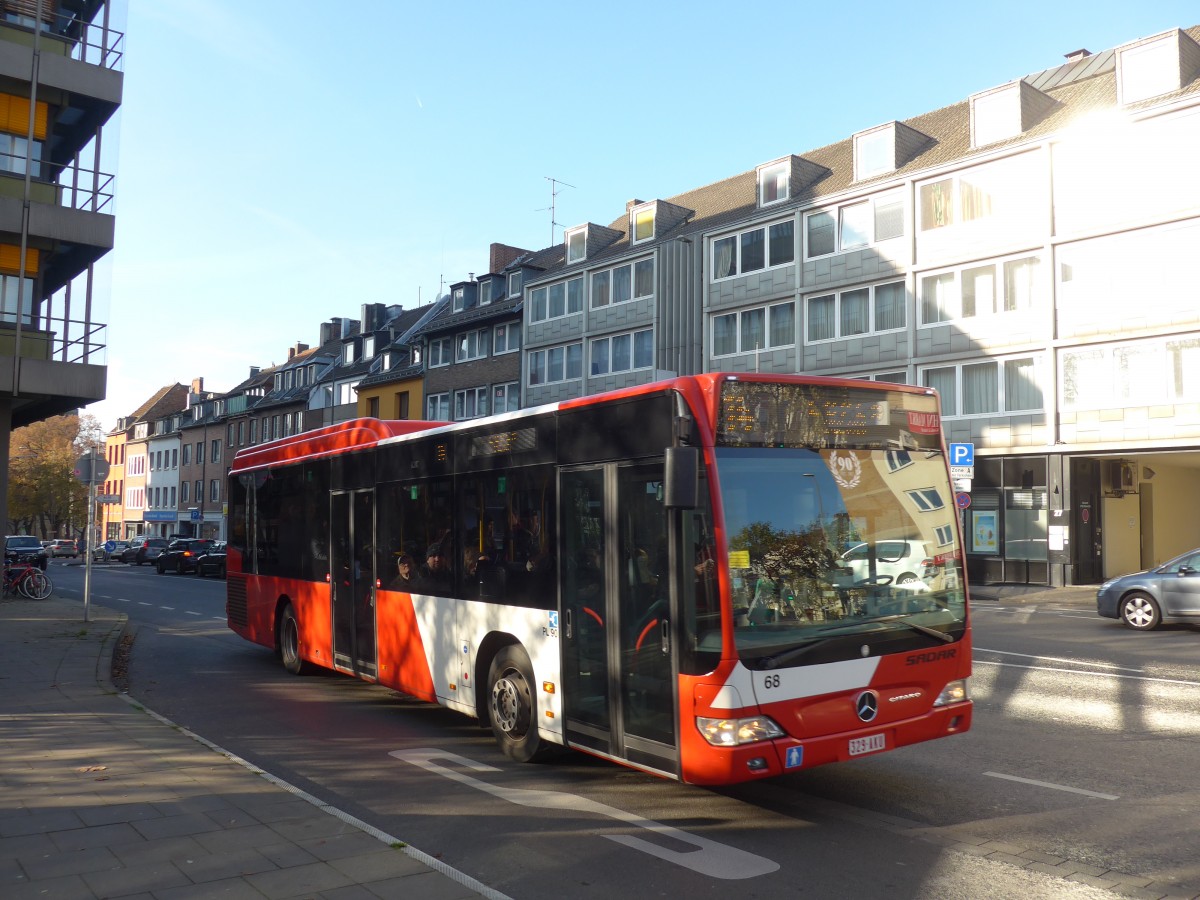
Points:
x=957 y=472
x=962 y=500
x=91 y=468
x=962 y=454
x=108 y=498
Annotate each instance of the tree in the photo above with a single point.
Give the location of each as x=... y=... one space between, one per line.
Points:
x=44 y=497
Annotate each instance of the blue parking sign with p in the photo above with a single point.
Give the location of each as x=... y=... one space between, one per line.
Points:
x=962 y=454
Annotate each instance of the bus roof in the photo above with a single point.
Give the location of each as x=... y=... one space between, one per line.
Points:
x=355 y=434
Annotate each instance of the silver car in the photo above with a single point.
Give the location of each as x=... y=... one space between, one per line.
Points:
x=1144 y=600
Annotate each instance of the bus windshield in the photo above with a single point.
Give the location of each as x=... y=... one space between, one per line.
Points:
x=839 y=552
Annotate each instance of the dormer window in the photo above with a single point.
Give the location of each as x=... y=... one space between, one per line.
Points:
x=348 y=353
x=577 y=245
x=514 y=284
x=642 y=223
x=368 y=346
x=460 y=299
x=874 y=153
x=287 y=380
x=995 y=115
x=485 y=293
x=1149 y=68
x=773 y=183
x=387 y=361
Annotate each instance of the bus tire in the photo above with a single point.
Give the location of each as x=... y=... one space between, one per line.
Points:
x=289 y=642
x=511 y=705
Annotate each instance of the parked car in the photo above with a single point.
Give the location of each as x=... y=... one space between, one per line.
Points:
x=896 y=562
x=119 y=547
x=19 y=547
x=212 y=561
x=180 y=556
x=143 y=550
x=1144 y=600
x=64 y=547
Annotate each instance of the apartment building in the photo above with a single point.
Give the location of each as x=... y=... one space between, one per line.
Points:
x=60 y=84
x=1025 y=252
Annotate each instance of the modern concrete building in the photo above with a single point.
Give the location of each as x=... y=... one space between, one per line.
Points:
x=1026 y=252
x=60 y=84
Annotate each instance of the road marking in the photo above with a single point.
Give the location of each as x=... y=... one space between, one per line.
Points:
x=144 y=603
x=710 y=858
x=171 y=608
x=1178 y=681
x=1056 y=787
x=1056 y=659
x=189 y=612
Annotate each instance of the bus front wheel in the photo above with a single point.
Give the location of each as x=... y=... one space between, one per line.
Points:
x=289 y=641
x=511 y=706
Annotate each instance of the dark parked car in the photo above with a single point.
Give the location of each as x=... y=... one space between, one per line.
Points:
x=20 y=547
x=1144 y=600
x=212 y=561
x=143 y=550
x=180 y=556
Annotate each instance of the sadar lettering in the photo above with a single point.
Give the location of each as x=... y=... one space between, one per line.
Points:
x=931 y=656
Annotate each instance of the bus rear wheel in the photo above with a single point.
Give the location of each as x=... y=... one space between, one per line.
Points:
x=289 y=642
x=511 y=706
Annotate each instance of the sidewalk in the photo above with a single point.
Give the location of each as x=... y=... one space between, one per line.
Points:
x=99 y=798
x=1023 y=594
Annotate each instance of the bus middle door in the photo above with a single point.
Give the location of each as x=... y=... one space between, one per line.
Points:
x=352 y=569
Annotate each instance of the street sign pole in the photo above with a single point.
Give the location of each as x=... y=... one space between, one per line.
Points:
x=91 y=469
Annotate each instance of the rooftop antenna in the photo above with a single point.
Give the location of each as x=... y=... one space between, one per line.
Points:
x=554 y=183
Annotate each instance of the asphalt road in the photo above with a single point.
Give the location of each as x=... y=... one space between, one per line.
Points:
x=1078 y=758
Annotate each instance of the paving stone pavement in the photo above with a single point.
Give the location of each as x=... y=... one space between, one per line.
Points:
x=100 y=798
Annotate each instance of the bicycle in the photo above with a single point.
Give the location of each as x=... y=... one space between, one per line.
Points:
x=26 y=579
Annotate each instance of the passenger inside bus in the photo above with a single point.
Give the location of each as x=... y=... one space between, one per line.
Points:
x=405 y=579
x=434 y=576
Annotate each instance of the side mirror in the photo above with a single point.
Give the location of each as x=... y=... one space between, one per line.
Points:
x=682 y=479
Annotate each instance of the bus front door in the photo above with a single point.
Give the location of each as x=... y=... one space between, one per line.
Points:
x=618 y=656
x=352 y=591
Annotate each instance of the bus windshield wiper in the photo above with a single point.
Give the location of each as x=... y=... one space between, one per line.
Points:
x=785 y=656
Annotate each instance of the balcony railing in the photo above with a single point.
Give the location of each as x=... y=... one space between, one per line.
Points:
x=87 y=41
x=59 y=338
x=76 y=186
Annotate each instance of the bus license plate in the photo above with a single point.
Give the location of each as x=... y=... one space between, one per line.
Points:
x=868 y=744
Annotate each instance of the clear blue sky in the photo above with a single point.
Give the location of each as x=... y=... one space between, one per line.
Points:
x=278 y=168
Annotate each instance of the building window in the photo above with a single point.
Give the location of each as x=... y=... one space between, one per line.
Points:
x=472 y=345
x=855 y=225
x=368 y=348
x=1149 y=69
x=562 y=299
x=987 y=387
x=470 y=403
x=622 y=352
x=1008 y=286
x=514 y=284
x=441 y=352
x=459 y=299
x=750 y=251
x=643 y=223
x=506 y=338
x=199 y=494
x=773 y=183
x=506 y=397
x=485 y=293
x=373 y=407
x=861 y=311
x=1140 y=373
x=751 y=330
x=199 y=452
x=556 y=364
x=214 y=490
x=183 y=491
x=926 y=499
x=402 y=405
x=347 y=354
x=437 y=407
x=174 y=457
x=874 y=153
x=216 y=450
x=186 y=455
x=347 y=393
x=576 y=245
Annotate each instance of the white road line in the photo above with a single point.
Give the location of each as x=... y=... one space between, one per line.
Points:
x=171 y=608
x=1181 y=683
x=1056 y=787
x=710 y=858
x=190 y=613
x=1059 y=659
x=144 y=603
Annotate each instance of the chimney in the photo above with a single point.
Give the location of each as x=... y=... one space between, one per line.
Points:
x=296 y=350
x=197 y=385
x=1077 y=55
x=630 y=204
x=372 y=316
x=501 y=255
x=255 y=371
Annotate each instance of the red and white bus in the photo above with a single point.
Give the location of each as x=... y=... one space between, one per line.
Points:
x=703 y=578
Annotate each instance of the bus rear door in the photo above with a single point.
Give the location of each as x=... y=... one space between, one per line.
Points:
x=352 y=569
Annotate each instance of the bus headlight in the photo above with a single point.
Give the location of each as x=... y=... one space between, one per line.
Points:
x=954 y=692
x=732 y=732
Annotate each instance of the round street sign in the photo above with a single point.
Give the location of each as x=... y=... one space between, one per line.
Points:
x=962 y=500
